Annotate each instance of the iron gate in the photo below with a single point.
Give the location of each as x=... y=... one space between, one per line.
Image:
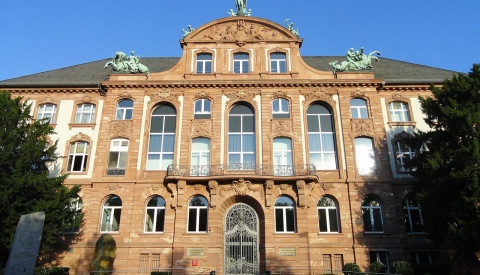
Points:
x=241 y=241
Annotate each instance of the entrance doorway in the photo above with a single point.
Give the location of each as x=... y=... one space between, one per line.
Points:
x=241 y=241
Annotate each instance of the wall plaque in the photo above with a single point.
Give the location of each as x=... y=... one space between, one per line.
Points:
x=195 y=251
x=286 y=251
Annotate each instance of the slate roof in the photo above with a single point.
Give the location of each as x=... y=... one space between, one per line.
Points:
x=90 y=74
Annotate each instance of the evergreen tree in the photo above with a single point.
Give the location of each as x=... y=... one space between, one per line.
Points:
x=25 y=183
x=448 y=169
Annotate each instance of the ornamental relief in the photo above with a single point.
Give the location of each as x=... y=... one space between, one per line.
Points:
x=281 y=128
x=124 y=95
x=362 y=127
x=201 y=94
x=280 y=94
x=201 y=128
x=120 y=128
x=241 y=95
x=48 y=99
x=325 y=95
x=358 y=93
x=398 y=97
x=86 y=99
x=164 y=95
x=239 y=31
x=241 y=187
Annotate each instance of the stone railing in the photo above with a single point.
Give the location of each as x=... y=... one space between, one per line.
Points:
x=240 y=169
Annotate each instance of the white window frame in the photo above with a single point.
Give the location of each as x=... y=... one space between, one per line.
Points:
x=161 y=153
x=399 y=154
x=284 y=216
x=83 y=155
x=278 y=61
x=155 y=216
x=409 y=209
x=372 y=218
x=120 y=149
x=242 y=153
x=203 y=110
x=242 y=63
x=357 y=109
x=327 y=215
x=123 y=115
x=319 y=135
x=280 y=107
x=197 y=221
x=81 y=112
x=203 y=63
x=360 y=153
x=403 y=111
x=42 y=113
x=76 y=204
x=112 y=215
x=200 y=170
x=285 y=167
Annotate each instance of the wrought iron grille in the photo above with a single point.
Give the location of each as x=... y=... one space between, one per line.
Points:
x=241 y=241
x=115 y=172
x=241 y=169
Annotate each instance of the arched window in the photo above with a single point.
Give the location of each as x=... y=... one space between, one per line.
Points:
x=124 y=109
x=358 y=108
x=280 y=108
x=85 y=113
x=204 y=63
x=241 y=63
x=198 y=215
x=327 y=215
x=117 y=160
x=112 y=211
x=162 y=137
x=47 y=111
x=200 y=157
x=365 y=156
x=282 y=157
x=155 y=215
x=202 y=109
x=278 y=62
x=321 y=137
x=78 y=156
x=285 y=215
x=241 y=138
x=399 y=111
x=412 y=214
x=372 y=215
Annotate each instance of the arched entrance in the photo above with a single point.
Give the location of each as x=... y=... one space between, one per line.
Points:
x=241 y=241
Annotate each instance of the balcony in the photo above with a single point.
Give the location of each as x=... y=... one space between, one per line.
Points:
x=234 y=171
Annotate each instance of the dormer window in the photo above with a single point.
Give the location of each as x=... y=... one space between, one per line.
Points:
x=241 y=63
x=278 y=63
x=204 y=63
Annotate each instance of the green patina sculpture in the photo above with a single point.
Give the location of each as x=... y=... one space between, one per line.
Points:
x=104 y=256
x=241 y=9
x=355 y=61
x=290 y=27
x=131 y=64
x=190 y=29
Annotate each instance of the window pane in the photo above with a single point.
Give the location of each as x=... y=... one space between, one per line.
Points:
x=167 y=160
x=149 y=220
x=192 y=220
x=322 y=220
x=314 y=144
x=326 y=123
x=208 y=67
x=155 y=143
x=274 y=66
x=367 y=222
x=328 y=142
x=113 y=160
x=169 y=124
x=198 y=201
x=290 y=213
x=313 y=124
x=125 y=103
x=123 y=160
x=203 y=220
x=234 y=143
x=119 y=113
x=168 y=143
x=249 y=143
x=160 y=220
x=153 y=162
x=284 y=201
x=377 y=217
x=248 y=124
x=106 y=219
x=276 y=105
x=116 y=219
x=332 y=214
x=279 y=220
x=157 y=124
x=234 y=124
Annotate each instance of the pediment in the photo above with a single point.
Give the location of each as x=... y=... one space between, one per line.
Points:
x=241 y=29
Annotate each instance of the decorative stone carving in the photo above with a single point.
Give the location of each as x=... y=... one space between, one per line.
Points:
x=319 y=94
x=284 y=186
x=201 y=128
x=398 y=97
x=355 y=61
x=125 y=95
x=241 y=187
x=112 y=186
x=120 y=128
x=86 y=99
x=327 y=185
x=163 y=95
x=301 y=193
x=181 y=184
x=80 y=136
x=280 y=94
x=241 y=95
x=201 y=94
x=131 y=64
x=281 y=128
x=269 y=192
x=155 y=186
x=362 y=127
x=240 y=31
x=358 y=93
x=170 y=189
x=213 y=187
x=48 y=99
x=309 y=187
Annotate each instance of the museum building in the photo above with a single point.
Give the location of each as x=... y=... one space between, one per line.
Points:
x=239 y=157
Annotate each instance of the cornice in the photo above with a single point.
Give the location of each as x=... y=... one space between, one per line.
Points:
x=52 y=90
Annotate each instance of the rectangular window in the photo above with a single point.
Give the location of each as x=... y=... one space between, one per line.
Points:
x=118 y=157
x=278 y=63
x=380 y=256
x=241 y=63
x=78 y=157
x=85 y=113
x=365 y=157
x=47 y=111
x=327 y=262
x=399 y=111
x=144 y=262
x=338 y=262
x=204 y=63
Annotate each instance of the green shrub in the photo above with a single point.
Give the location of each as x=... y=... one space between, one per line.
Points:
x=378 y=267
x=350 y=267
x=51 y=270
x=403 y=268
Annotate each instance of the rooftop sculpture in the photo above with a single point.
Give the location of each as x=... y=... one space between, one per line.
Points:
x=355 y=61
x=241 y=9
x=290 y=27
x=187 y=32
x=124 y=64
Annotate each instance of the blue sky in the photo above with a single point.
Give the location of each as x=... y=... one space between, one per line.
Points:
x=44 y=35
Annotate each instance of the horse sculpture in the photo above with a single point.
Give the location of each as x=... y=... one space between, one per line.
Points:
x=241 y=7
x=131 y=64
x=365 y=63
